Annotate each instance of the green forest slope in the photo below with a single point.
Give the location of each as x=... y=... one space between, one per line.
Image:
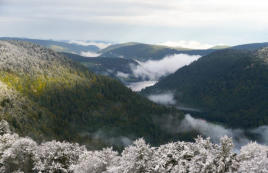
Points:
x=47 y=96
x=228 y=86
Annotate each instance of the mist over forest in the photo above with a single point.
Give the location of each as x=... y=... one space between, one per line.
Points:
x=133 y=86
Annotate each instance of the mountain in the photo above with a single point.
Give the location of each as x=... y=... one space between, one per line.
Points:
x=118 y=68
x=251 y=46
x=229 y=86
x=59 y=46
x=218 y=47
x=143 y=52
x=45 y=95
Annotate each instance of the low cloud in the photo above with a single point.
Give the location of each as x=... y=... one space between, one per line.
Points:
x=138 y=86
x=163 y=98
x=168 y=98
x=89 y=54
x=174 y=125
x=155 y=69
x=122 y=75
x=262 y=133
x=214 y=131
x=100 y=45
x=109 y=137
x=115 y=140
x=187 y=44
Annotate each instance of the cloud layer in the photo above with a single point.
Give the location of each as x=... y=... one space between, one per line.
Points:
x=163 y=98
x=174 y=125
x=100 y=45
x=89 y=54
x=155 y=69
x=208 y=21
x=215 y=132
x=138 y=86
x=186 y=44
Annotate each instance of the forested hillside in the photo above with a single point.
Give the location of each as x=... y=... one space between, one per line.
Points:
x=251 y=46
x=46 y=95
x=228 y=86
x=144 y=52
x=118 y=68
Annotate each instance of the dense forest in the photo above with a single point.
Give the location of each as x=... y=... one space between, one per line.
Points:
x=228 y=86
x=45 y=95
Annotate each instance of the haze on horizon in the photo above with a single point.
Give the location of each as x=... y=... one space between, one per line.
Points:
x=186 y=23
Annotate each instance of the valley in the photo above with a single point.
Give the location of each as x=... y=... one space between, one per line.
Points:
x=133 y=86
x=93 y=110
x=113 y=101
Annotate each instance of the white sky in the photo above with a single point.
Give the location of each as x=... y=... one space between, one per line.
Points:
x=153 y=21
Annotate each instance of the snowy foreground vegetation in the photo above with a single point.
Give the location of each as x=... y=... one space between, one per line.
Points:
x=19 y=154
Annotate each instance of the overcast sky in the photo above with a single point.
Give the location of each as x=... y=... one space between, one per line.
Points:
x=208 y=22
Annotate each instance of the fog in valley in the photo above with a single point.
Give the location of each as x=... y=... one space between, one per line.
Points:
x=207 y=129
x=152 y=70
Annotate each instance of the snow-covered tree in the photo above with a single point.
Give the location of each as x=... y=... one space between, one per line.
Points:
x=226 y=158
x=4 y=127
x=57 y=156
x=96 y=161
x=253 y=158
x=19 y=156
x=6 y=140
x=201 y=156
x=136 y=158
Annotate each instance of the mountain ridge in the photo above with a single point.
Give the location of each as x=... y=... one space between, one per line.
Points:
x=144 y=52
x=58 y=46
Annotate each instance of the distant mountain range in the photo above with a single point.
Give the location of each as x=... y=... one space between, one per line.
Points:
x=228 y=86
x=132 y=50
x=251 y=46
x=59 y=46
x=144 y=52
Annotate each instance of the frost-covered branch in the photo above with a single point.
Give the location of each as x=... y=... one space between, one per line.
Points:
x=19 y=154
